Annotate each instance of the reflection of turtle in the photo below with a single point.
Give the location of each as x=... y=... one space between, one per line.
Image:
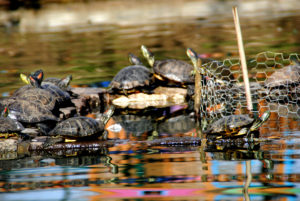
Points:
x=176 y=125
x=170 y=69
x=82 y=127
x=289 y=75
x=135 y=124
x=236 y=125
x=9 y=125
x=132 y=77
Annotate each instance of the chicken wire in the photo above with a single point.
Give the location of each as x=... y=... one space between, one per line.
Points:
x=223 y=91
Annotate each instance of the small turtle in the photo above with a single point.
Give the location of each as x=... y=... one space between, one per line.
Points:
x=9 y=126
x=172 y=70
x=132 y=77
x=82 y=127
x=284 y=77
x=63 y=83
x=236 y=125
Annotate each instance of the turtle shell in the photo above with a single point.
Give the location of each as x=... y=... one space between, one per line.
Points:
x=78 y=127
x=285 y=76
x=29 y=112
x=229 y=124
x=62 y=97
x=131 y=77
x=10 y=125
x=41 y=96
x=174 y=70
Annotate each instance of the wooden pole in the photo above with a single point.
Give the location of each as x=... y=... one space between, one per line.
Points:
x=242 y=57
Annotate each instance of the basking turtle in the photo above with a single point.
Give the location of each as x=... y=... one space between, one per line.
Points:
x=38 y=95
x=29 y=112
x=9 y=126
x=236 y=125
x=172 y=70
x=62 y=97
x=132 y=77
x=284 y=77
x=82 y=127
x=63 y=83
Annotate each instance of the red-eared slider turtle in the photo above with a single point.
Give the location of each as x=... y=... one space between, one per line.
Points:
x=82 y=127
x=29 y=112
x=8 y=125
x=132 y=77
x=172 y=70
x=236 y=125
x=38 y=95
x=62 y=97
x=284 y=77
x=61 y=83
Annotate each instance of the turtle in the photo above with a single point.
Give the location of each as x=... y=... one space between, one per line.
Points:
x=132 y=77
x=32 y=114
x=9 y=126
x=63 y=83
x=236 y=125
x=82 y=127
x=284 y=77
x=170 y=70
x=38 y=95
x=62 y=97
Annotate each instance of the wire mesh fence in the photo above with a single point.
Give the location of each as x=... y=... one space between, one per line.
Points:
x=274 y=85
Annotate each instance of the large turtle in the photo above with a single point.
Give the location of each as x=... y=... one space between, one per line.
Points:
x=62 y=97
x=172 y=70
x=82 y=127
x=9 y=126
x=131 y=77
x=284 y=77
x=235 y=125
x=38 y=95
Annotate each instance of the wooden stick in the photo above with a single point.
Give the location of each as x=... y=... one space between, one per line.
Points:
x=242 y=57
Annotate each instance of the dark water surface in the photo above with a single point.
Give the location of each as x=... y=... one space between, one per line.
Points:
x=93 y=46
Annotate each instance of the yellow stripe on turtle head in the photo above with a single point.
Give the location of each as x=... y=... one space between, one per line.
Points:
x=24 y=78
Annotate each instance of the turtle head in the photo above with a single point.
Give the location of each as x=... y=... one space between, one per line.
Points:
x=65 y=82
x=261 y=119
x=5 y=112
x=107 y=115
x=134 y=60
x=193 y=56
x=148 y=55
x=36 y=78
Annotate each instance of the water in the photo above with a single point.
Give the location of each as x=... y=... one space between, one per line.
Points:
x=93 y=46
